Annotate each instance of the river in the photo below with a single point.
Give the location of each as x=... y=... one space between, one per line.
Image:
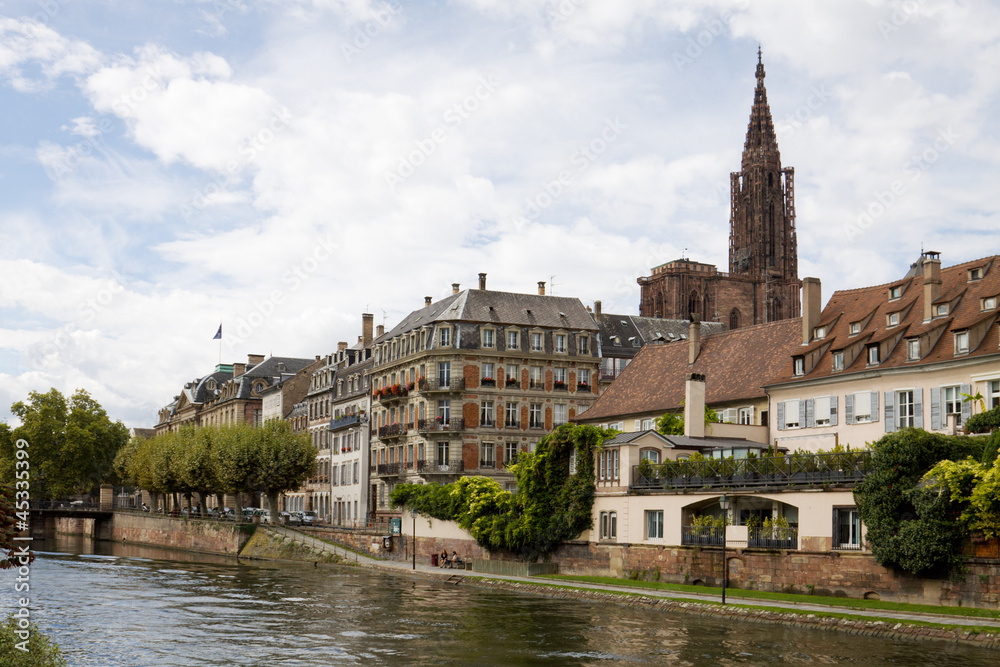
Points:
x=110 y=604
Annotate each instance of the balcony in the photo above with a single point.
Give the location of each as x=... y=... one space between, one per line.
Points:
x=490 y=464
x=488 y=382
x=536 y=384
x=558 y=385
x=533 y=424
x=703 y=536
x=511 y=383
x=806 y=470
x=512 y=423
x=775 y=537
x=446 y=384
x=441 y=424
x=344 y=422
x=391 y=431
x=390 y=393
x=583 y=387
x=440 y=467
x=386 y=469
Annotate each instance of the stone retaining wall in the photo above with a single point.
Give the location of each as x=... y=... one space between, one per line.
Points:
x=217 y=537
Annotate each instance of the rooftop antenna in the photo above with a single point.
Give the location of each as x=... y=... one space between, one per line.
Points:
x=384 y=316
x=552 y=285
x=684 y=254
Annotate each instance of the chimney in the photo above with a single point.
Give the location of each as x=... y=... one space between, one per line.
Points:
x=454 y=288
x=317 y=357
x=694 y=342
x=541 y=287
x=254 y=359
x=694 y=405
x=932 y=281
x=360 y=339
x=239 y=368
x=428 y=300
x=597 y=308
x=482 y=281
x=812 y=307
x=380 y=331
x=341 y=346
x=367 y=320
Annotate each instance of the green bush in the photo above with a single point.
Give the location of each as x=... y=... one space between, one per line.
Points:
x=41 y=652
x=984 y=422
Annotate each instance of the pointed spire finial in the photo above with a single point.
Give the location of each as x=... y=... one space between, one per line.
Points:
x=760 y=63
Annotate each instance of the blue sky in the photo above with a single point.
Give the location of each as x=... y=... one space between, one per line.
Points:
x=282 y=167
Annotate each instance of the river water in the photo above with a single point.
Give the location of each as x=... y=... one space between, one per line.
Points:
x=111 y=604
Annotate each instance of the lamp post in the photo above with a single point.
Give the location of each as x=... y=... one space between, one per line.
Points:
x=725 y=504
x=413 y=515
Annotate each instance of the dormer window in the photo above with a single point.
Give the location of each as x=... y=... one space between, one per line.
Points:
x=940 y=310
x=838 y=360
x=912 y=349
x=799 y=365
x=961 y=342
x=873 y=355
x=488 y=338
x=445 y=337
x=895 y=292
x=989 y=303
x=976 y=273
x=819 y=333
x=892 y=319
x=855 y=328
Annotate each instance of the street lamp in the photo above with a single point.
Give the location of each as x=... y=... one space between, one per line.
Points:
x=413 y=514
x=725 y=504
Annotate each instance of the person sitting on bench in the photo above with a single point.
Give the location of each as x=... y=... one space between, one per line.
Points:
x=456 y=560
x=443 y=558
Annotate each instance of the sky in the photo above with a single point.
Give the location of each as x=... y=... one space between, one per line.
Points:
x=281 y=167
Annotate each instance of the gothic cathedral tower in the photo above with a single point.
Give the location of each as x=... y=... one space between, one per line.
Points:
x=762 y=245
x=763 y=280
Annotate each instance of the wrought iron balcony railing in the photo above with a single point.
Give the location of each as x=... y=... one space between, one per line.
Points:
x=344 y=422
x=444 y=384
x=440 y=467
x=441 y=424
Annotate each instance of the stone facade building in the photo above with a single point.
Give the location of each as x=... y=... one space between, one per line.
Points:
x=463 y=385
x=762 y=284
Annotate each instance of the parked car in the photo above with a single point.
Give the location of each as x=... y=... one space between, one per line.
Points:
x=295 y=519
x=283 y=517
x=309 y=518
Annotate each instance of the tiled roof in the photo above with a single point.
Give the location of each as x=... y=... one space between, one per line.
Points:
x=485 y=306
x=623 y=335
x=735 y=363
x=964 y=297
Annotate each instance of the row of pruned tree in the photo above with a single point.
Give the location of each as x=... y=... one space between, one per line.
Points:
x=233 y=459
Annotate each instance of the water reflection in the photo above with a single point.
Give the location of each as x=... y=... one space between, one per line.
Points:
x=114 y=604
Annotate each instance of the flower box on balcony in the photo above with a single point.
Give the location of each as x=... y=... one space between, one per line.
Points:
x=582 y=386
x=488 y=382
x=559 y=385
x=511 y=382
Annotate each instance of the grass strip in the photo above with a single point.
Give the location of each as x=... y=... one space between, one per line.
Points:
x=851 y=603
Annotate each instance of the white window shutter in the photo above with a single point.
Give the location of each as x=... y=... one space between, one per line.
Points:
x=781 y=415
x=810 y=413
x=833 y=411
x=966 y=405
x=802 y=414
x=890 y=422
x=935 y=408
x=918 y=408
x=874 y=395
x=849 y=409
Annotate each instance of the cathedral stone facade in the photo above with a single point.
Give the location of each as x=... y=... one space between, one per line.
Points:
x=762 y=284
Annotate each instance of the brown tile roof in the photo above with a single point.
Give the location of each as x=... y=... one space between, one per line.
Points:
x=735 y=364
x=856 y=305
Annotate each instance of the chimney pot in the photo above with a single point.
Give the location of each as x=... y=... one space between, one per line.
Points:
x=812 y=307
x=341 y=346
x=428 y=300
x=454 y=288
x=597 y=307
x=694 y=405
x=380 y=331
x=541 y=287
x=482 y=281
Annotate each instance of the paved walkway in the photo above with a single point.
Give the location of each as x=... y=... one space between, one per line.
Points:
x=424 y=569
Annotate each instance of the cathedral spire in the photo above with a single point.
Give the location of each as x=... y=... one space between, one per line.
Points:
x=761 y=144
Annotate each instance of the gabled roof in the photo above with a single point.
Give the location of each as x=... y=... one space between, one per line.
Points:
x=623 y=335
x=501 y=308
x=963 y=295
x=736 y=364
x=628 y=438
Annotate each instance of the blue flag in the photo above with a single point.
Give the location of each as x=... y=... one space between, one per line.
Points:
x=218 y=334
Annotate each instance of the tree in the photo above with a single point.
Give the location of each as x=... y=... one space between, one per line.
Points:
x=670 y=423
x=196 y=466
x=39 y=651
x=73 y=443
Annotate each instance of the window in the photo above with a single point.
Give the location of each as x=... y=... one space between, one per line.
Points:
x=488 y=340
x=510 y=415
x=821 y=411
x=489 y=374
x=892 y=319
x=609 y=525
x=940 y=310
x=536 y=342
x=993 y=393
x=559 y=378
x=800 y=365
x=847 y=523
x=583 y=378
x=651 y=455
x=962 y=342
x=535 y=416
x=513 y=375
x=873 y=357
x=989 y=303
x=895 y=292
x=487 y=417
x=912 y=349
x=510 y=450
x=654 y=524
x=444 y=411
x=442 y=453
x=791 y=409
x=558 y=414
x=583 y=343
x=976 y=274
x=819 y=333
x=952 y=403
x=608 y=465
x=444 y=374
x=837 y=360
x=535 y=377
x=862 y=407
x=560 y=343
x=904 y=409
x=512 y=342
x=745 y=416
x=855 y=328
x=445 y=337
x=487 y=455
x=647 y=425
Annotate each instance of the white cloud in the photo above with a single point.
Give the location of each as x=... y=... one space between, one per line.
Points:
x=25 y=44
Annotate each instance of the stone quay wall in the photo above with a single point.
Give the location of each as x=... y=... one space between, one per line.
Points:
x=207 y=536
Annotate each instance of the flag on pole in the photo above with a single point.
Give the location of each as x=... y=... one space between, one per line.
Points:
x=218 y=334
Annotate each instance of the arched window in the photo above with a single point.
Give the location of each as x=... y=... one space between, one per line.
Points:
x=734 y=319
x=658 y=308
x=694 y=304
